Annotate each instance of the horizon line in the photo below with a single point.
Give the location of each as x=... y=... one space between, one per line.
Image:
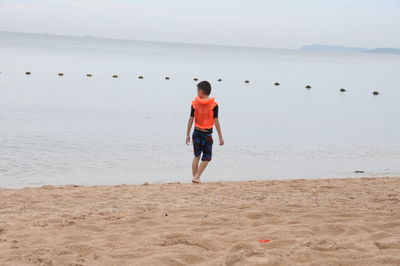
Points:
x=89 y=36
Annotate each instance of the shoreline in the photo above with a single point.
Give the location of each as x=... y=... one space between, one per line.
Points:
x=351 y=221
x=188 y=181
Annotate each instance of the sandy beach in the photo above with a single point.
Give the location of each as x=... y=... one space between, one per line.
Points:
x=308 y=222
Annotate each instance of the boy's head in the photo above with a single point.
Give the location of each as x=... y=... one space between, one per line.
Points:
x=203 y=89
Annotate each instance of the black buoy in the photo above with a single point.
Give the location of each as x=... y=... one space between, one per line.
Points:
x=140 y=77
x=167 y=78
x=375 y=92
x=308 y=87
x=61 y=74
x=246 y=81
x=277 y=84
x=115 y=76
x=28 y=73
x=342 y=90
x=195 y=79
x=220 y=80
x=88 y=75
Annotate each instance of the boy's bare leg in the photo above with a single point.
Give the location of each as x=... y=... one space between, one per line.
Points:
x=195 y=165
x=200 y=170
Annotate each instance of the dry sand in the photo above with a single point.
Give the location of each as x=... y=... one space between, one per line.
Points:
x=309 y=222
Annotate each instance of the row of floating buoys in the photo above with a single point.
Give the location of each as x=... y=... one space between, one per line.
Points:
x=196 y=79
x=341 y=89
x=141 y=77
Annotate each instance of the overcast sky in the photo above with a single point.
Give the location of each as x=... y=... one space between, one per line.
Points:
x=265 y=23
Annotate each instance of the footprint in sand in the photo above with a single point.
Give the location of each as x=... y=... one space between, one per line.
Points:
x=67 y=223
x=330 y=229
x=386 y=226
x=183 y=241
x=254 y=215
x=388 y=244
x=240 y=251
x=33 y=259
x=379 y=236
x=125 y=254
x=40 y=223
x=323 y=245
x=64 y=252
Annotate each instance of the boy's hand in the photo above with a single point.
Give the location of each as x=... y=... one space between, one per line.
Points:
x=187 y=140
x=221 y=141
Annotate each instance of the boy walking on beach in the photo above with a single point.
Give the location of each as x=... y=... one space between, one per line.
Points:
x=204 y=113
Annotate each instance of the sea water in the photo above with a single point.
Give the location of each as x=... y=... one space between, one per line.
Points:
x=100 y=130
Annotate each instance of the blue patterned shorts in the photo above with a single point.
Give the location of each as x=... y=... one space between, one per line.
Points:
x=202 y=143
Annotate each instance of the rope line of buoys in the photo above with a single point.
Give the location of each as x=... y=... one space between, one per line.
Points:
x=61 y=74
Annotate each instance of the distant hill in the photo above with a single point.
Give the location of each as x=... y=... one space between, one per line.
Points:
x=338 y=48
x=321 y=47
x=384 y=51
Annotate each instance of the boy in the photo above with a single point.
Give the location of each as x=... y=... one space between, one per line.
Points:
x=205 y=114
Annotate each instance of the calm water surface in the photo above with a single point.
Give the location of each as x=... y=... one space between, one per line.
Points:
x=101 y=130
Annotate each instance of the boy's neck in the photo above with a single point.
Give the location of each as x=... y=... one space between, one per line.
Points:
x=205 y=97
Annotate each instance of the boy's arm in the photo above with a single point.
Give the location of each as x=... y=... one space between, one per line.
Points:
x=218 y=127
x=189 y=127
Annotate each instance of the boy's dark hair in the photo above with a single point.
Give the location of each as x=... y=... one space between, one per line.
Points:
x=205 y=87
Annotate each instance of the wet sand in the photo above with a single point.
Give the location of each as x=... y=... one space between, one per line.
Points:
x=308 y=222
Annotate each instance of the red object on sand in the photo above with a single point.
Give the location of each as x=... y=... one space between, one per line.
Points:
x=263 y=241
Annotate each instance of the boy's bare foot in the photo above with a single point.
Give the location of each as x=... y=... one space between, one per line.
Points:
x=196 y=180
